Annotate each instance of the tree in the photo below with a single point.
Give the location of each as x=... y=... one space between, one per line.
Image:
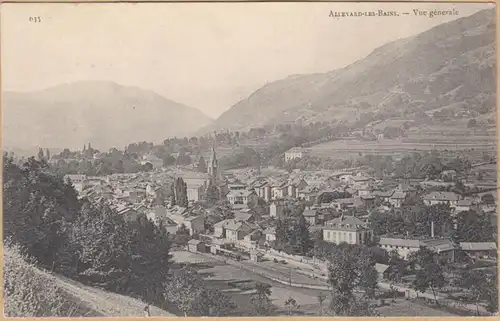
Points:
x=149 y=260
x=147 y=167
x=182 y=235
x=38 y=211
x=214 y=303
x=471 y=227
x=172 y=194
x=202 y=165
x=488 y=199
x=182 y=158
x=260 y=301
x=212 y=193
x=397 y=267
x=180 y=189
x=471 y=123
x=430 y=273
x=351 y=267
x=291 y=304
x=40 y=154
x=47 y=153
x=102 y=238
x=321 y=299
x=304 y=243
x=282 y=228
x=480 y=287
x=185 y=290
x=168 y=160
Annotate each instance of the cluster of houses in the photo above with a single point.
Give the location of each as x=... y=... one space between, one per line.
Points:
x=331 y=197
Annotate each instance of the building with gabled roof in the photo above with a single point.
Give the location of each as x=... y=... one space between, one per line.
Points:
x=479 y=250
x=232 y=229
x=434 y=198
x=348 y=229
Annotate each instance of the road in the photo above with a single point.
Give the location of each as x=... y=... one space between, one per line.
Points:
x=286 y=274
x=104 y=303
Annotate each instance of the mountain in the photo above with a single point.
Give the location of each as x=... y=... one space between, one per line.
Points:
x=103 y=113
x=451 y=65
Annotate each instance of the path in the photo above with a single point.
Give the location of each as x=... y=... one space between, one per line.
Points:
x=106 y=303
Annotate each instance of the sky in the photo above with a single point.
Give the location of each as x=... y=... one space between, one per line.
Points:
x=205 y=55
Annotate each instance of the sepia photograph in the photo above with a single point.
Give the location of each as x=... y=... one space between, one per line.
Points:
x=237 y=159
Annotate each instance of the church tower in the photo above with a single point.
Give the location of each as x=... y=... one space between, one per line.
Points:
x=213 y=165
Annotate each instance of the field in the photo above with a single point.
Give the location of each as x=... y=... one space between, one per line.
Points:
x=238 y=283
x=395 y=147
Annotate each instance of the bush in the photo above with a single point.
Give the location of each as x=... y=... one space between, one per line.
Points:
x=30 y=292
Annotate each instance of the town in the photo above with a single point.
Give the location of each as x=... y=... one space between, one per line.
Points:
x=280 y=225
x=240 y=165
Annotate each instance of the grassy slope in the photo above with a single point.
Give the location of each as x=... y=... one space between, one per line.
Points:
x=32 y=292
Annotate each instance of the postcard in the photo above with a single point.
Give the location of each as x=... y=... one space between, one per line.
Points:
x=239 y=159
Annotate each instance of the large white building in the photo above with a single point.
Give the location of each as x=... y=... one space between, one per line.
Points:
x=295 y=152
x=348 y=229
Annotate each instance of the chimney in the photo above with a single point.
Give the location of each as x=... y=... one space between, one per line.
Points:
x=432 y=229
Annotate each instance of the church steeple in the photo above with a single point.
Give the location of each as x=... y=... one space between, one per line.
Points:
x=213 y=165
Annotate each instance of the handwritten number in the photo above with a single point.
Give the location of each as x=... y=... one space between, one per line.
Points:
x=35 y=19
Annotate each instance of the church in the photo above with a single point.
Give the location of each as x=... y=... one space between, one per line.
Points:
x=214 y=172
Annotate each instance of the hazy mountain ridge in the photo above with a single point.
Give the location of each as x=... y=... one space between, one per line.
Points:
x=451 y=63
x=103 y=113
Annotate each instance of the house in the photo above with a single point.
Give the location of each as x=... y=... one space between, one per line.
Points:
x=465 y=205
x=256 y=256
x=95 y=181
x=128 y=213
x=407 y=189
x=241 y=198
x=153 y=160
x=434 y=198
x=252 y=240
x=244 y=216
x=479 y=250
x=368 y=200
x=444 y=248
x=236 y=187
x=345 y=177
x=79 y=181
x=277 y=209
x=397 y=199
x=263 y=190
x=195 y=191
x=195 y=224
x=232 y=229
x=310 y=215
x=348 y=229
x=159 y=214
x=448 y=175
x=360 y=178
x=295 y=186
x=196 y=179
x=196 y=246
x=135 y=195
x=404 y=246
x=401 y=245
x=345 y=203
x=295 y=153
x=364 y=190
x=270 y=234
x=381 y=271
x=279 y=190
